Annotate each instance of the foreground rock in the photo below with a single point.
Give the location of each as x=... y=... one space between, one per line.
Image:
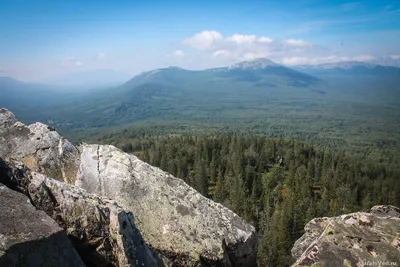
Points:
x=185 y=228
x=39 y=147
x=173 y=217
x=102 y=232
x=29 y=237
x=357 y=239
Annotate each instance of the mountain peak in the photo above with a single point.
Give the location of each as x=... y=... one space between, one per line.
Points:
x=259 y=63
x=175 y=67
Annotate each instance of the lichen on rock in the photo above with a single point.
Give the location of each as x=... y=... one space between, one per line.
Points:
x=173 y=217
x=181 y=226
x=351 y=239
x=39 y=147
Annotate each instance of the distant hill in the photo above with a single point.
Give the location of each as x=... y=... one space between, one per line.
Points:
x=328 y=103
x=15 y=91
x=32 y=101
x=176 y=93
x=260 y=91
x=358 y=81
x=348 y=68
x=259 y=72
x=89 y=79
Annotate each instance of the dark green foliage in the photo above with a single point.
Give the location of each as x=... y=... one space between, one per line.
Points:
x=277 y=185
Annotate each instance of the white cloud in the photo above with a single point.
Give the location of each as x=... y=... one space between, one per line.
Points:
x=179 y=53
x=249 y=46
x=221 y=53
x=251 y=56
x=204 y=40
x=296 y=43
x=241 y=39
x=289 y=51
x=363 y=58
x=264 y=39
x=295 y=61
x=78 y=63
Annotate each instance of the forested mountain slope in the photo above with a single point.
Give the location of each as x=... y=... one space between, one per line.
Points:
x=357 y=108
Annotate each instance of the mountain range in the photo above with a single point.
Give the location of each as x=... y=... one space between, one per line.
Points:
x=251 y=90
x=259 y=72
x=348 y=68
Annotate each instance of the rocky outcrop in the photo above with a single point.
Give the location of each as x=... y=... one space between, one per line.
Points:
x=102 y=232
x=39 y=147
x=29 y=237
x=172 y=217
x=357 y=239
x=178 y=223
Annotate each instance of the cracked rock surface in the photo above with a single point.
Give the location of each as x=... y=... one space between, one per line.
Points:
x=29 y=237
x=172 y=217
x=351 y=239
x=102 y=232
x=182 y=226
x=39 y=147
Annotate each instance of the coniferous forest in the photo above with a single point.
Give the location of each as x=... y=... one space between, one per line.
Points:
x=277 y=185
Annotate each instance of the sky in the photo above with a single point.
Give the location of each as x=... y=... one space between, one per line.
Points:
x=45 y=38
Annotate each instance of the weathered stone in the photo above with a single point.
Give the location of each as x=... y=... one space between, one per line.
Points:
x=39 y=147
x=29 y=237
x=173 y=217
x=186 y=228
x=357 y=239
x=102 y=232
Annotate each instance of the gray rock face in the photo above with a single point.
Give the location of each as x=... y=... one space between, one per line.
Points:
x=357 y=239
x=39 y=147
x=29 y=237
x=103 y=232
x=173 y=217
x=185 y=228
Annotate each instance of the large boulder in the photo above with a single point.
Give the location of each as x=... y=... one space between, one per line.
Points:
x=357 y=239
x=29 y=237
x=39 y=147
x=102 y=232
x=173 y=218
x=185 y=228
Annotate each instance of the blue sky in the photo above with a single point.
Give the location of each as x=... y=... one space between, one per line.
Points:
x=44 y=38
